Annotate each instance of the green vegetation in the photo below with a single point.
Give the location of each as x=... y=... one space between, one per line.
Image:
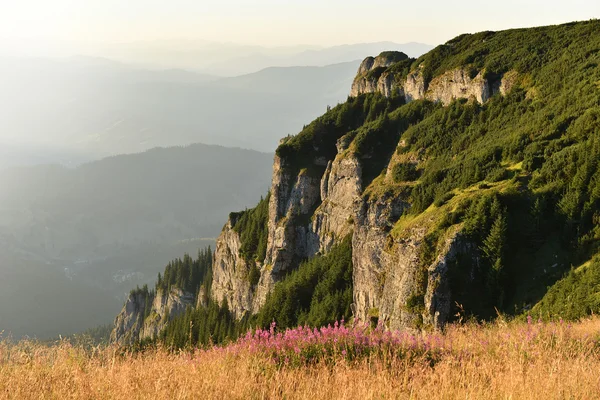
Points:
x=393 y=56
x=320 y=137
x=404 y=172
x=319 y=292
x=516 y=178
x=573 y=297
x=202 y=326
x=252 y=227
x=375 y=142
x=525 y=50
x=187 y=274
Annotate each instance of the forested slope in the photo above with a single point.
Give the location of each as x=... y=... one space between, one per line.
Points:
x=468 y=180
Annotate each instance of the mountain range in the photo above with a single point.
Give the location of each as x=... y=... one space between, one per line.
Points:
x=75 y=240
x=88 y=109
x=230 y=59
x=75 y=109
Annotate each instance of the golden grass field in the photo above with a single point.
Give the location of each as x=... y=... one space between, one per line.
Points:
x=493 y=361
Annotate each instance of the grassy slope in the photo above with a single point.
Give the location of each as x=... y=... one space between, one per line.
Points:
x=514 y=360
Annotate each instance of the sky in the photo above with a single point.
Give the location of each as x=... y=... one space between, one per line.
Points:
x=272 y=22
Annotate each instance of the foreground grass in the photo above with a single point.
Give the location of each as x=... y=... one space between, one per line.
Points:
x=495 y=361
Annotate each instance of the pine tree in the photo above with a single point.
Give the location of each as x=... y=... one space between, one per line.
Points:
x=494 y=243
x=493 y=248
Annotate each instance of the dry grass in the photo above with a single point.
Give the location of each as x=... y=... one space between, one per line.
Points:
x=496 y=361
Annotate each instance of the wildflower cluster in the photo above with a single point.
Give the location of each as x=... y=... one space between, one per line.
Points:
x=305 y=345
x=331 y=344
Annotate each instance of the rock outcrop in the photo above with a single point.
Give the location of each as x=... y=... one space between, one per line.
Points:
x=230 y=272
x=145 y=315
x=341 y=187
x=372 y=75
x=293 y=201
x=313 y=208
x=382 y=273
x=459 y=83
x=130 y=321
x=165 y=307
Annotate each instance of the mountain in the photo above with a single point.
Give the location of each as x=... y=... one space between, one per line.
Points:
x=311 y=57
x=299 y=80
x=54 y=211
x=45 y=299
x=230 y=59
x=108 y=225
x=83 y=109
x=461 y=184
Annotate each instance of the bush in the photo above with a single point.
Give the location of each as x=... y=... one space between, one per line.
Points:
x=403 y=172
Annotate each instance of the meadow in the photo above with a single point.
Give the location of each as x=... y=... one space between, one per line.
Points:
x=500 y=360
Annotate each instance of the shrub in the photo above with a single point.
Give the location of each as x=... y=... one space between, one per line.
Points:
x=402 y=172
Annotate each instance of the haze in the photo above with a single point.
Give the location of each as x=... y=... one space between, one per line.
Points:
x=276 y=23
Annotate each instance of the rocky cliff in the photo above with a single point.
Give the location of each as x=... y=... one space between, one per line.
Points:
x=130 y=321
x=451 y=173
x=373 y=74
x=314 y=207
x=144 y=315
x=380 y=75
x=230 y=272
x=323 y=192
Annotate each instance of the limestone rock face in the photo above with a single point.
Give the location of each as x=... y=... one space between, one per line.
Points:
x=368 y=80
x=165 y=307
x=457 y=84
x=438 y=296
x=414 y=87
x=366 y=65
x=292 y=202
x=389 y=272
x=375 y=77
x=230 y=273
x=130 y=324
x=364 y=85
x=341 y=187
x=378 y=268
x=452 y=85
x=130 y=320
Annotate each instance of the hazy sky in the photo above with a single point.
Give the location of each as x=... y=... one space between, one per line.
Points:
x=275 y=22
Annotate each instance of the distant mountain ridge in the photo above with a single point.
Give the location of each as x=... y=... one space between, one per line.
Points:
x=108 y=225
x=87 y=109
x=103 y=203
x=229 y=59
x=314 y=57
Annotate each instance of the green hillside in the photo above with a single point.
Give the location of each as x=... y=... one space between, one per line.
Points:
x=517 y=176
x=522 y=167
